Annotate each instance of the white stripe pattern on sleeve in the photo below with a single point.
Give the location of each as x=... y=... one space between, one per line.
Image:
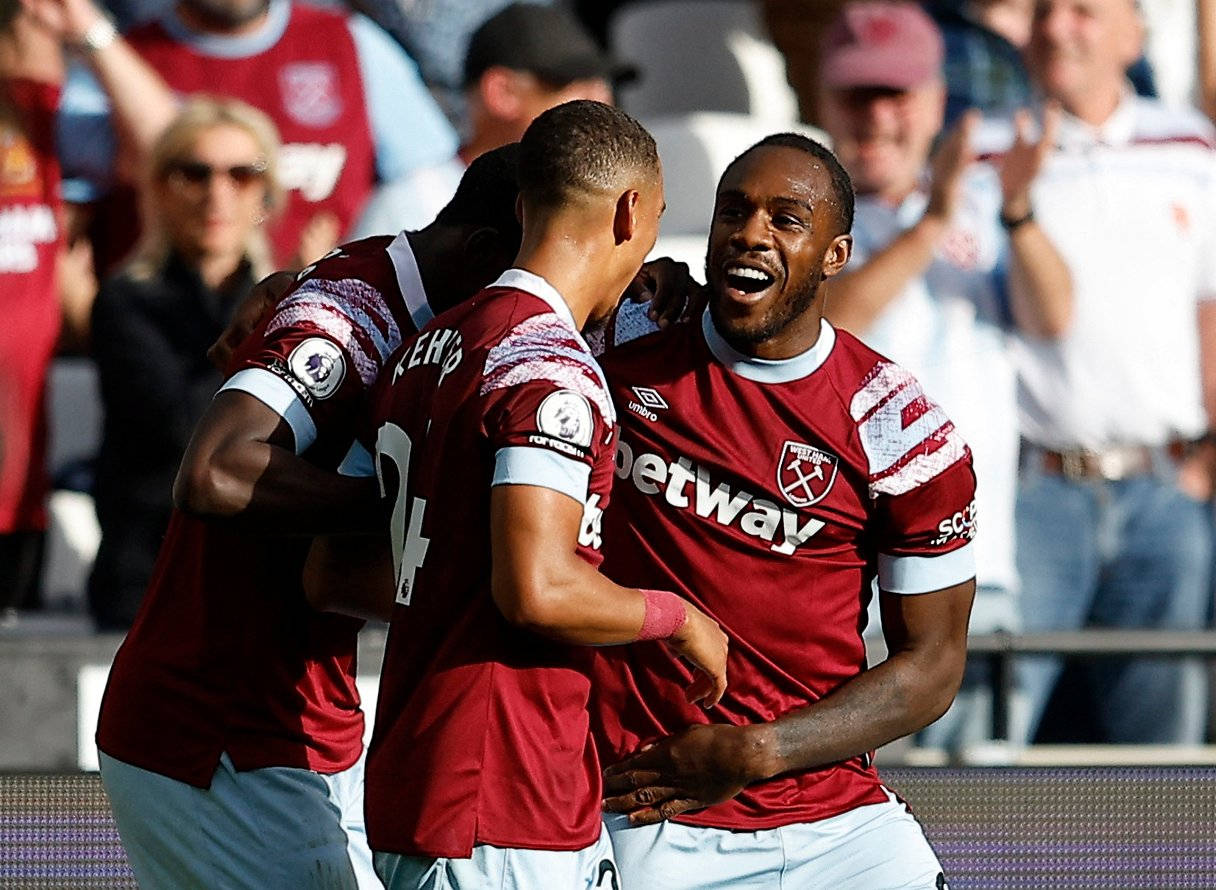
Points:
x=543 y=347
x=349 y=311
x=907 y=437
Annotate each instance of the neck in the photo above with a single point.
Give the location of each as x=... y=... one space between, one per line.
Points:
x=577 y=267
x=216 y=269
x=1095 y=108
x=202 y=23
x=794 y=339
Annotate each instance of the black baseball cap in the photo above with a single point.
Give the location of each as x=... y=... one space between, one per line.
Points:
x=544 y=40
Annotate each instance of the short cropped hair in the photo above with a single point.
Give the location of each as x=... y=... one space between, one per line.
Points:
x=487 y=194
x=582 y=148
x=842 y=185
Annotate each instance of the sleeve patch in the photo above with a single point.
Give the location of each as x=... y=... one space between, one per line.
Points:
x=352 y=313
x=544 y=348
x=566 y=415
x=907 y=437
x=319 y=365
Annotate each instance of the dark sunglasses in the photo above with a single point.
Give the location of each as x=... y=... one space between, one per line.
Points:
x=196 y=173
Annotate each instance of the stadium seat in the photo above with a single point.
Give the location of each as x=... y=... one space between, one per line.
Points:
x=75 y=413
x=701 y=55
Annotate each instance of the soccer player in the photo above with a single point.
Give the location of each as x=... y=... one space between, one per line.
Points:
x=230 y=732
x=769 y=468
x=496 y=453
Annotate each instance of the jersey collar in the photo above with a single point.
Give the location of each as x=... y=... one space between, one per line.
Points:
x=762 y=370
x=409 y=279
x=522 y=279
x=219 y=46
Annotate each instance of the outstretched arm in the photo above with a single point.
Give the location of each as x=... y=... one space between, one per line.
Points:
x=707 y=764
x=142 y=103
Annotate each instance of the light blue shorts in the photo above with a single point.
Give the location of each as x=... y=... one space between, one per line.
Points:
x=279 y=827
x=875 y=847
x=498 y=868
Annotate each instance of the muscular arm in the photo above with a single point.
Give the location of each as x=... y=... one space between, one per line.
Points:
x=541 y=584
x=927 y=640
x=241 y=464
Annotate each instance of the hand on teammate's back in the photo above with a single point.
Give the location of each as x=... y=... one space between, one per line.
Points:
x=668 y=286
x=264 y=296
x=702 y=643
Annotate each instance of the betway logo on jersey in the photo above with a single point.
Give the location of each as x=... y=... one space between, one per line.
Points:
x=312 y=168
x=688 y=486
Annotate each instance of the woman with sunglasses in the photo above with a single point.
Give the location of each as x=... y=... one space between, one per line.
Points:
x=210 y=187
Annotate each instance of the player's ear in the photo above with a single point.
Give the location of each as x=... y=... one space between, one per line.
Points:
x=486 y=250
x=498 y=89
x=837 y=255
x=625 y=219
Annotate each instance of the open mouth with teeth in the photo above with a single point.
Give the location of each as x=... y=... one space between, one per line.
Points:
x=747 y=281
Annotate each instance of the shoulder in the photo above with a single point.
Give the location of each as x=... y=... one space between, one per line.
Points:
x=534 y=345
x=353 y=298
x=907 y=439
x=1161 y=124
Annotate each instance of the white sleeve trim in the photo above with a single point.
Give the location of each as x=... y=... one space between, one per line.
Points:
x=276 y=394
x=924 y=574
x=358 y=462
x=525 y=465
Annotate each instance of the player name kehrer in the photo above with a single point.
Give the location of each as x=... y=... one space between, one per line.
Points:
x=652 y=474
x=441 y=346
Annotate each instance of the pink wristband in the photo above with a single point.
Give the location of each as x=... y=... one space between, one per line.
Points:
x=665 y=614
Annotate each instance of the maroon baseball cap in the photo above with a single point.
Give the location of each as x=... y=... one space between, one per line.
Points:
x=874 y=43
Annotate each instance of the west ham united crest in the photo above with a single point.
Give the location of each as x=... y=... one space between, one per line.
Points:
x=310 y=92
x=805 y=473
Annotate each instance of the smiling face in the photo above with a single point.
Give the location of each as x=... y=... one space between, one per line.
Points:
x=883 y=135
x=1082 y=47
x=776 y=234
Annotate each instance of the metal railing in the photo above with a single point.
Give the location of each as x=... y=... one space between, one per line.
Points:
x=1003 y=648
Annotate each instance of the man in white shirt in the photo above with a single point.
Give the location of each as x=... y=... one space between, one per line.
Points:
x=1113 y=522
x=926 y=290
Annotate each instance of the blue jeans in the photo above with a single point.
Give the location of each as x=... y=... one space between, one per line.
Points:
x=1129 y=554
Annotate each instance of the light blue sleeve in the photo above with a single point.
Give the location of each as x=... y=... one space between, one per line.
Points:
x=408 y=127
x=85 y=137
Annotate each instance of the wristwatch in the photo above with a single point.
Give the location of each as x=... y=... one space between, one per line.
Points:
x=98 y=35
x=1009 y=223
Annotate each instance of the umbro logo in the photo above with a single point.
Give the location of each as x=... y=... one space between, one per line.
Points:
x=650 y=397
x=648 y=402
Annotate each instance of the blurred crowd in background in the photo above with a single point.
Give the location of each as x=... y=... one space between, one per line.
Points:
x=1035 y=239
